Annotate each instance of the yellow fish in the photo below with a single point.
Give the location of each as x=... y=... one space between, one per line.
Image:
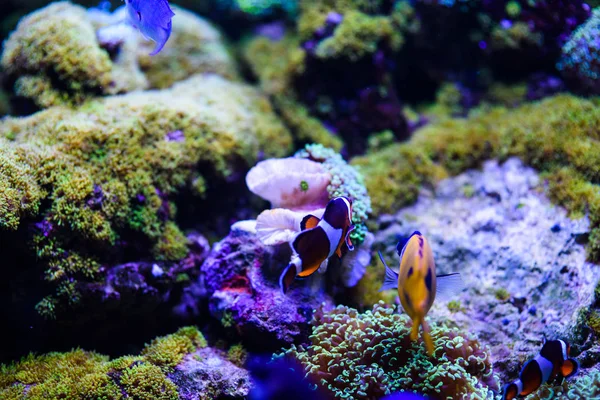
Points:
x=418 y=284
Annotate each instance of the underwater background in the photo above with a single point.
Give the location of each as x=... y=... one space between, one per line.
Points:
x=203 y=220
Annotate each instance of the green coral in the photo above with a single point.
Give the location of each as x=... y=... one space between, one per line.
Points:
x=54 y=57
x=358 y=35
x=237 y=354
x=345 y=181
x=83 y=375
x=365 y=356
x=110 y=168
x=555 y=136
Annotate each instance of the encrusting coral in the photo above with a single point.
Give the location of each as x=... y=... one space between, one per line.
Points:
x=557 y=136
x=366 y=356
x=102 y=177
x=83 y=375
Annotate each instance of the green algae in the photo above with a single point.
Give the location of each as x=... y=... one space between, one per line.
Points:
x=556 y=136
x=112 y=167
x=84 y=375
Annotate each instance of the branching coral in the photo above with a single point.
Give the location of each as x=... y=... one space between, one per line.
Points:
x=556 y=136
x=583 y=387
x=345 y=181
x=110 y=169
x=86 y=375
x=365 y=356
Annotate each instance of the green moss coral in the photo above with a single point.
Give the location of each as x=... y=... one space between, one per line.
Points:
x=365 y=356
x=111 y=168
x=345 y=181
x=557 y=136
x=54 y=57
x=86 y=375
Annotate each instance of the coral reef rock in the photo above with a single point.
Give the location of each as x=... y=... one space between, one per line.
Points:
x=526 y=274
x=240 y=278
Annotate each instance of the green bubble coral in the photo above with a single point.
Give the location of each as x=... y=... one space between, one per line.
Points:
x=365 y=356
x=345 y=181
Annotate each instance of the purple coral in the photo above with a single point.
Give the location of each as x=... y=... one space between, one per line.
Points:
x=240 y=279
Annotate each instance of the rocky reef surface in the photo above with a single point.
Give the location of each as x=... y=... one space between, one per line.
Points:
x=521 y=258
x=148 y=203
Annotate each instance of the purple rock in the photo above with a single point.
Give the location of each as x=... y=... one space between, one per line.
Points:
x=275 y=31
x=240 y=277
x=334 y=18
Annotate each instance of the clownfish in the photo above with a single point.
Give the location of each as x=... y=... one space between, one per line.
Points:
x=153 y=19
x=418 y=284
x=552 y=362
x=318 y=240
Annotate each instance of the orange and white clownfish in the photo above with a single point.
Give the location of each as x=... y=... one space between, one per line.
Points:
x=318 y=240
x=552 y=362
x=417 y=283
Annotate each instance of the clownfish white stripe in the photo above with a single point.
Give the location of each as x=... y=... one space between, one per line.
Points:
x=334 y=235
x=349 y=206
x=563 y=345
x=545 y=367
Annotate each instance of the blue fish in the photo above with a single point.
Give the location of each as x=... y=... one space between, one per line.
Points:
x=153 y=19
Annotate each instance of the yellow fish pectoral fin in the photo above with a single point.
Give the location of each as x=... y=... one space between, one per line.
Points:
x=427 y=338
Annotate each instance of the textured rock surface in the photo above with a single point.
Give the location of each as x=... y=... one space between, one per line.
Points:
x=240 y=279
x=526 y=276
x=207 y=374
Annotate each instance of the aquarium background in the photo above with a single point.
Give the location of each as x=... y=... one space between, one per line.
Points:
x=154 y=209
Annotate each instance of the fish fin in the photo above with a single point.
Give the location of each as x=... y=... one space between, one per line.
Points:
x=309 y=270
x=402 y=244
x=569 y=367
x=414 y=332
x=510 y=391
x=348 y=241
x=160 y=44
x=339 y=252
x=448 y=286
x=287 y=277
x=427 y=338
x=391 y=277
x=309 y=222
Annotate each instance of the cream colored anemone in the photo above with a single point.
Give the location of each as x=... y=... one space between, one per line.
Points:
x=280 y=225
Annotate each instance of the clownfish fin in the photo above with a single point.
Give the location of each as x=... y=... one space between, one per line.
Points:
x=287 y=277
x=339 y=252
x=308 y=270
x=414 y=332
x=510 y=391
x=309 y=222
x=569 y=367
x=391 y=277
x=348 y=241
x=448 y=286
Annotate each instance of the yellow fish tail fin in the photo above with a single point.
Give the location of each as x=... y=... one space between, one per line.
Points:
x=414 y=333
x=427 y=338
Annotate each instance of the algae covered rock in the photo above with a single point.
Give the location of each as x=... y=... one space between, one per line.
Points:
x=162 y=371
x=63 y=55
x=54 y=57
x=96 y=187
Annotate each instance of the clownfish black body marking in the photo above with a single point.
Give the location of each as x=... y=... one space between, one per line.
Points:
x=318 y=240
x=552 y=362
x=418 y=284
